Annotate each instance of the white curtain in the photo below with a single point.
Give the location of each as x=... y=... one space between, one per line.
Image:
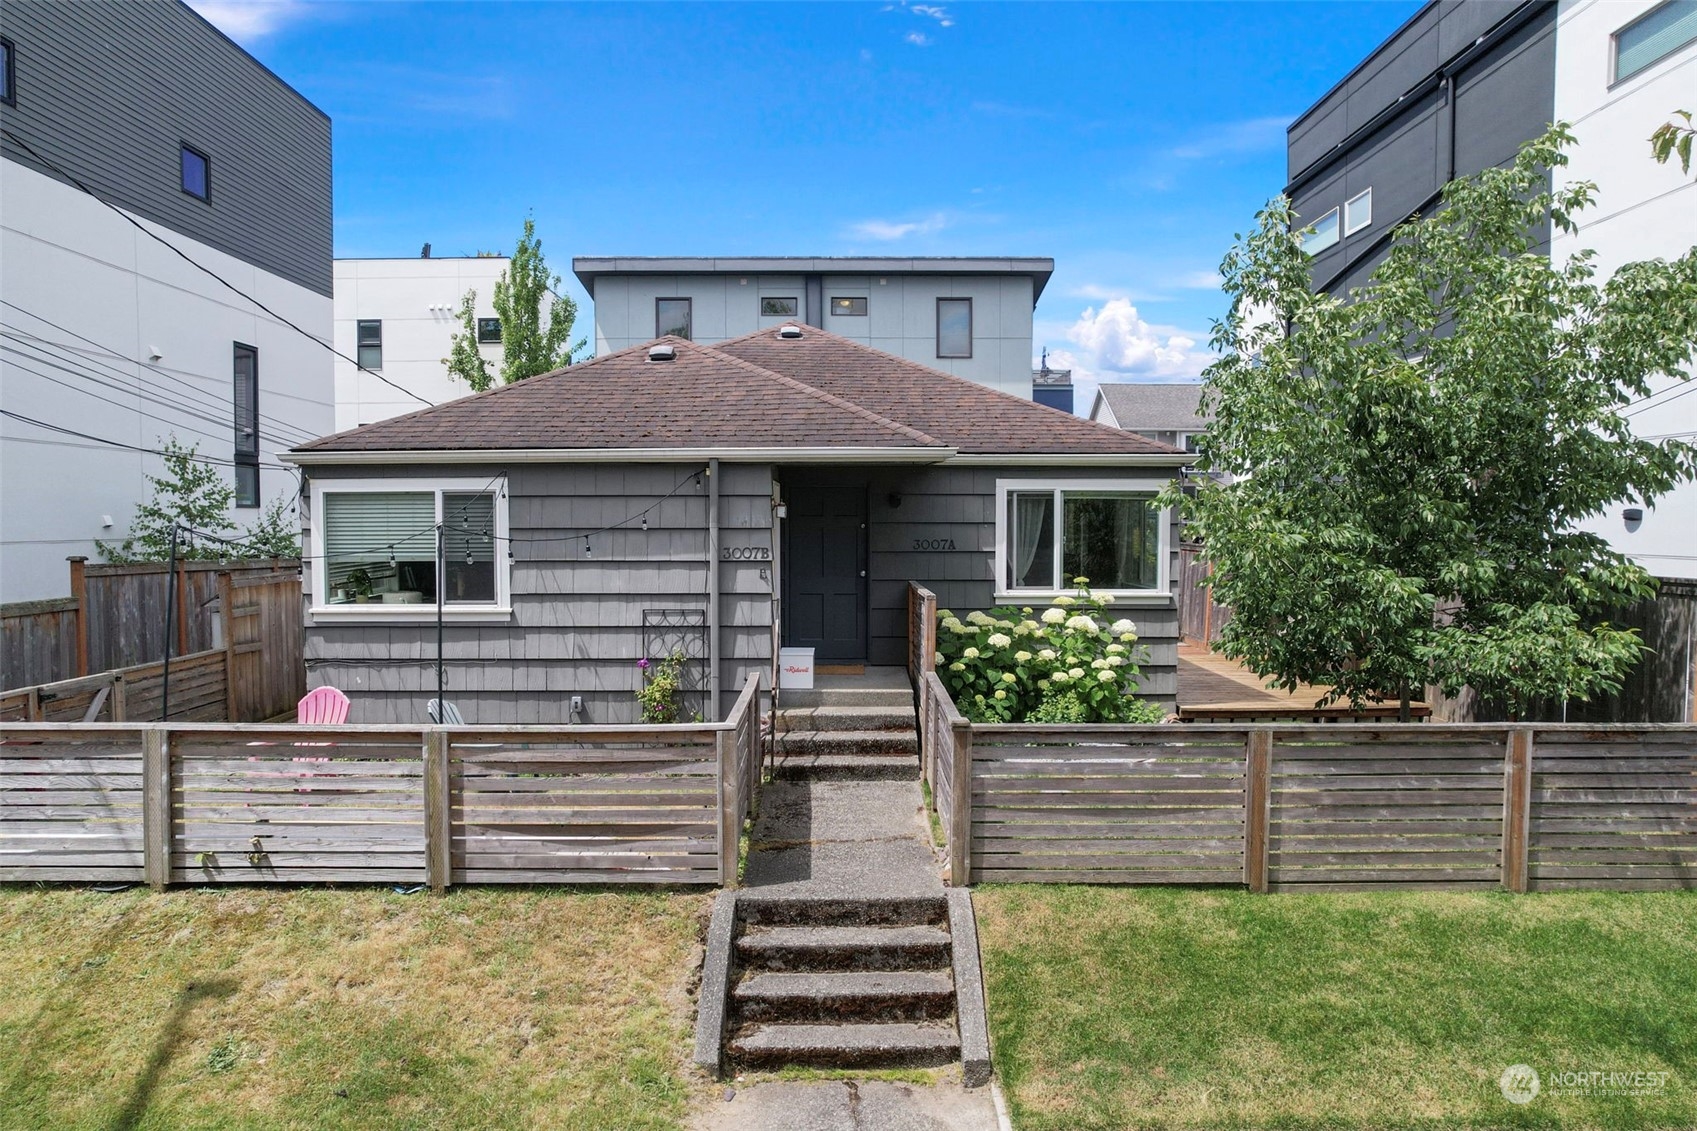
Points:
x=1031 y=520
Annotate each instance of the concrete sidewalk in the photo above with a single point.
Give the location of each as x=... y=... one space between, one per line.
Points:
x=863 y=1105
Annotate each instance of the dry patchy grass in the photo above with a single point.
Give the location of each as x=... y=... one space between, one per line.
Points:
x=249 y=1008
x=1170 y=1008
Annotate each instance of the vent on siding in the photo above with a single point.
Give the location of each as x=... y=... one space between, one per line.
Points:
x=789 y=330
x=662 y=353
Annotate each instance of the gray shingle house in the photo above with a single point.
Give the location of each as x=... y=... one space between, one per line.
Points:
x=1170 y=413
x=783 y=487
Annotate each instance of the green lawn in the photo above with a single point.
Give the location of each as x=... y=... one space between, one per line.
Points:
x=1176 y=1008
x=248 y=1008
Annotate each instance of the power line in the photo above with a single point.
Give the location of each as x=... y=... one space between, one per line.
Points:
x=119 y=443
x=201 y=267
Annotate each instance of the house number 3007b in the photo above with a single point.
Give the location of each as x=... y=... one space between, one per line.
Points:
x=933 y=543
x=745 y=553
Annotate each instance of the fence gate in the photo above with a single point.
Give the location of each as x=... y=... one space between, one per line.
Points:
x=264 y=641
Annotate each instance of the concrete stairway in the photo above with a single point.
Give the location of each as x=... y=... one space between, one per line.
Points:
x=844 y=983
x=847 y=733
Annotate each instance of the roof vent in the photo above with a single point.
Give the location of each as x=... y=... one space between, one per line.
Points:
x=789 y=330
x=662 y=352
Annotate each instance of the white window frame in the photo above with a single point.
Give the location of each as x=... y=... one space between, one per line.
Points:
x=1145 y=486
x=1615 y=77
x=1337 y=233
x=1351 y=225
x=498 y=613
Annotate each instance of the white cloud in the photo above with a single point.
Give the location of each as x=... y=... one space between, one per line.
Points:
x=894 y=229
x=248 y=20
x=1251 y=135
x=1112 y=342
x=935 y=12
x=1201 y=281
x=917 y=39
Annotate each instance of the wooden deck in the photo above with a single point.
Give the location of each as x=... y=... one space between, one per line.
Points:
x=1212 y=688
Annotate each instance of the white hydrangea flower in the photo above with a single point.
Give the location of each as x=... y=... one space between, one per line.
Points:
x=1009 y=677
x=936 y=658
x=1022 y=656
x=1115 y=661
x=1128 y=637
x=971 y=653
x=1122 y=625
x=1060 y=677
x=1000 y=694
x=1076 y=673
x=951 y=623
x=1054 y=616
x=1029 y=625
x=1043 y=685
x=957 y=666
x=1106 y=675
x=1105 y=598
x=1115 y=649
x=1098 y=663
x=1046 y=654
x=978 y=617
x=999 y=640
x=1082 y=623
x=1065 y=602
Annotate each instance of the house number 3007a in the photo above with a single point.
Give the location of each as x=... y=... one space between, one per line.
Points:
x=933 y=543
x=745 y=553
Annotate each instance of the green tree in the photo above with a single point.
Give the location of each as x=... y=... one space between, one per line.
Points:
x=1414 y=461
x=192 y=493
x=533 y=340
x=1670 y=138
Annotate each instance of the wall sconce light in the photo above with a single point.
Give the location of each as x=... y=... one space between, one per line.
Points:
x=894 y=499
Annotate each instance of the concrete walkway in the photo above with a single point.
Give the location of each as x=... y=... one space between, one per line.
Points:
x=844 y=839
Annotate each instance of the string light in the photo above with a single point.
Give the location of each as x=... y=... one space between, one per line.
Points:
x=645 y=522
x=588 y=550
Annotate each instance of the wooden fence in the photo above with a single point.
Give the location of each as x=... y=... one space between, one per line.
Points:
x=209 y=804
x=1294 y=807
x=921 y=658
x=1200 y=617
x=200 y=692
x=115 y=618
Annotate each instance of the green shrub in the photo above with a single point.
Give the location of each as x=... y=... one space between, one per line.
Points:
x=1066 y=665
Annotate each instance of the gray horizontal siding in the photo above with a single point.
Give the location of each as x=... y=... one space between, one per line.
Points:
x=577 y=623
x=109 y=91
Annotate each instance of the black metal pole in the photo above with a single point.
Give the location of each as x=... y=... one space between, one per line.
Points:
x=441 y=594
x=170 y=625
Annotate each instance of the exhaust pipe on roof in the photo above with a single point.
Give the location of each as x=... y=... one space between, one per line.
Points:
x=662 y=352
x=789 y=330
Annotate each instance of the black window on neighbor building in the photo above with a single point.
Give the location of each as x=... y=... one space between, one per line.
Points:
x=488 y=330
x=671 y=317
x=8 y=72
x=246 y=397
x=848 y=307
x=954 y=327
x=777 y=307
x=1654 y=36
x=197 y=173
x=370 y=343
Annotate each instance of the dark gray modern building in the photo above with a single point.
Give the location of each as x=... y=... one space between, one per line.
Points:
x=1457 y=89
x=148 y=160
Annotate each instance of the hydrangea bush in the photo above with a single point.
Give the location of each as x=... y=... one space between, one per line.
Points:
x=1069 y=664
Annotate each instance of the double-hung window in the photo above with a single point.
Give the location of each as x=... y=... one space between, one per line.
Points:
x=379 y=555
x=246 y=398
x=1050 y=532
x=369 y=333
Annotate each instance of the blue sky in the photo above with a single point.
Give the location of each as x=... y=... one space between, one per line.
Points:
x=1128 y=141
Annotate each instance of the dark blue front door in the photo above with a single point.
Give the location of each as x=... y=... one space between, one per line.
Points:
x=825 y=570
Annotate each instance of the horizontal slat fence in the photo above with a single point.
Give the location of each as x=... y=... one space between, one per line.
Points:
x=199 y=693
x=210 y=804
x=1329 y=807
x=1107 y=804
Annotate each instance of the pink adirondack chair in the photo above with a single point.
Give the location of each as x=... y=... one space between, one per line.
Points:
x=323 y=706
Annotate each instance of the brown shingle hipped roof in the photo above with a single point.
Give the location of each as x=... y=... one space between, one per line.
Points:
x=760 y=391
x=961 y=413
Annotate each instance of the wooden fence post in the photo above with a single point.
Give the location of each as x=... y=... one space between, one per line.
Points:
x=730 y=826
x=438 y=829
x=120 y=700
x=156 y=807
x=79 y=594
x=1257 y=808
x=227 y=613
x=1517 y=810
x=960 y=811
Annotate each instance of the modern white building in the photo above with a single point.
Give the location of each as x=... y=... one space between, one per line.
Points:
x=1622 y=68
x=397 y=317
x=165 y=251
x=967 y=316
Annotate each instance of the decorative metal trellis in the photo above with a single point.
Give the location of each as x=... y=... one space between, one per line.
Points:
x=666 y=632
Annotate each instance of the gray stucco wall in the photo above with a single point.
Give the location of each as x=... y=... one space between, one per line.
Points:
x=577 y=621
x=110 y=92
x=959 y=504
x=1503 y=96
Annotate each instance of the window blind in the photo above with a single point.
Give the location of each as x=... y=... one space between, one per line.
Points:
x=361 y=526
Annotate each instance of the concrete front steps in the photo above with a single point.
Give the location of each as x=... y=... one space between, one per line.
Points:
x=864 y=733
x=838 y=983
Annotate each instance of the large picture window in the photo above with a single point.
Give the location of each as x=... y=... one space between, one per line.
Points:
x=379 y=551
x=1050 y=533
